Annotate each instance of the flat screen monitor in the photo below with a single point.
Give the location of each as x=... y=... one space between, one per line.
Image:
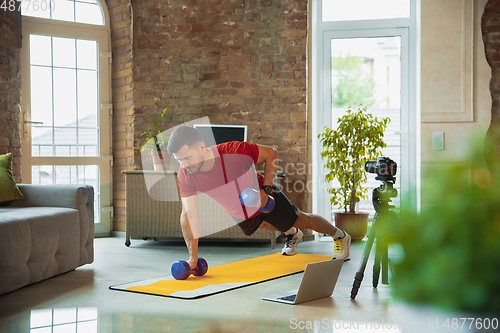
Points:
x=217 y=134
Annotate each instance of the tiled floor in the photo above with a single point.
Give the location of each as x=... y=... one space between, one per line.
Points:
x=239 y=310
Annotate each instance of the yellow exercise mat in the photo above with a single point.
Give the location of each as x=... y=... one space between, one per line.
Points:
x=225 y=277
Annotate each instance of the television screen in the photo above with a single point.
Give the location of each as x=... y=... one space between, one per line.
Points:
x=216 y=134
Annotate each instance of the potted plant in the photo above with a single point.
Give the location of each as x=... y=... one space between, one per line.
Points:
x=357 y=139
x=153 y=146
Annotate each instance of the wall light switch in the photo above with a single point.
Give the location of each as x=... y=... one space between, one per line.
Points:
x=438 y=140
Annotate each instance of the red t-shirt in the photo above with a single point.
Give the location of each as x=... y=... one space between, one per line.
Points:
x=233 y=171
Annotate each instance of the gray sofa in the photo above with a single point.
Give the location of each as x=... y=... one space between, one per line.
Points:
x=49 y=232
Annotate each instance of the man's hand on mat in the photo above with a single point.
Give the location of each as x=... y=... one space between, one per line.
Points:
x=192 y=263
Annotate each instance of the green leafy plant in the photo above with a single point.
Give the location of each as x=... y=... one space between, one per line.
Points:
x=357 y=139
x=156 y=140
x=451 y=249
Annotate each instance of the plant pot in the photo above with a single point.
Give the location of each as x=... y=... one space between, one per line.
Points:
x=355 y=224
x=161 y=160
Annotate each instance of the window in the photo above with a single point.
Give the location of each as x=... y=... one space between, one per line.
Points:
x=66 y=99
x=64 y=96
x=366 y=52
x=79 y=11
x=341 y=10
x=368 y=71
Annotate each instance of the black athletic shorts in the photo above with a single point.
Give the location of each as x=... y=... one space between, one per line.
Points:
x=282 y=217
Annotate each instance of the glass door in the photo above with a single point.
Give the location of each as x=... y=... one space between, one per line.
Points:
x=66 y=124
x=369 y=69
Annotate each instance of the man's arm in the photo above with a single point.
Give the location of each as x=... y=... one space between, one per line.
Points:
x=268 y=156
x=190 y=231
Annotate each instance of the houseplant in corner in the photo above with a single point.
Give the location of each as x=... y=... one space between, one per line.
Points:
x=357 y=139
x=153 y=146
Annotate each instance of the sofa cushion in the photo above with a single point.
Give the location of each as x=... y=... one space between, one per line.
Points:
x=37 y=243
x=8 y=188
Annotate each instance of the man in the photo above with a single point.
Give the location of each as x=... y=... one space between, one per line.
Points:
x=224 y=169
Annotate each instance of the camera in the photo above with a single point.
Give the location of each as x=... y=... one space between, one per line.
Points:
x=384 y=167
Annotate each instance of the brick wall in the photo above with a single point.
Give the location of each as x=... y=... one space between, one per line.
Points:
x=235 y=61
x=490 y=25
x=10 y=90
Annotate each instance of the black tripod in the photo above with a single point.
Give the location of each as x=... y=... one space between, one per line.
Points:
x=381 y=198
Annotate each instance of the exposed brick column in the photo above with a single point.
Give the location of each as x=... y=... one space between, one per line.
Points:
x=10 y=90
x=236 y=61
x=490 y=25
x=123 y=103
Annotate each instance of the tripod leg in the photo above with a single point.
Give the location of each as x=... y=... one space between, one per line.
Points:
x=385 y=257
x=385 y=263
x=366 y=253
x=376 y=264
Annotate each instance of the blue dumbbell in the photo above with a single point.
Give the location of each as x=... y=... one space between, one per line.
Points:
x=181 y=270
x=250 y=197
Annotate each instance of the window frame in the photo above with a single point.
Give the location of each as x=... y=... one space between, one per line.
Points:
x=99 y=3
x=410 y=130
x=100 y=33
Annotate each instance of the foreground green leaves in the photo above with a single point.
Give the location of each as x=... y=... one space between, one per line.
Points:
x=452 y=248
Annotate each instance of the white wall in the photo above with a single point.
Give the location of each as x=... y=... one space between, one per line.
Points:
x=455 y=96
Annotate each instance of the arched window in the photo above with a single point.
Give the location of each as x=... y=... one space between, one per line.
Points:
x=78 y=11
x=65 y=61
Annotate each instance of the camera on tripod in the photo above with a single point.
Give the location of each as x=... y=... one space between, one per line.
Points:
x=384 y=167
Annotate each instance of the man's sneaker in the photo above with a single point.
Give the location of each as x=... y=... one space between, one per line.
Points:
x=342 y=245
x=291 y=243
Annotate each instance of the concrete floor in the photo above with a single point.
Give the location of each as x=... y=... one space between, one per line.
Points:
x=239 y=310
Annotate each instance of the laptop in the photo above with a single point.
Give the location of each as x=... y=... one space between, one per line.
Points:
x=318 y=281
